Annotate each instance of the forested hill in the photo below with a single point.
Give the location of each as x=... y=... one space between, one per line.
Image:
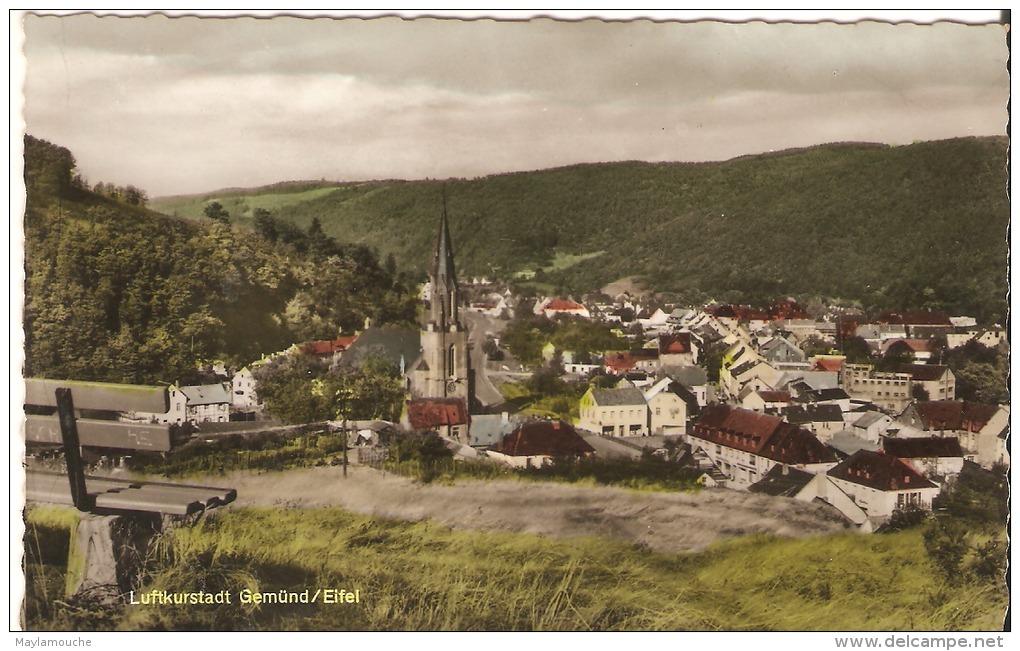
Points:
x=918 y=225
x=116 y=292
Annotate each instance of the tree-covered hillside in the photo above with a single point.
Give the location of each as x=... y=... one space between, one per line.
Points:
x=918 y=225
x=116 y=292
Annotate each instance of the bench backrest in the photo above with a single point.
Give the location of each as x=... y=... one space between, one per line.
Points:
x=100 y=397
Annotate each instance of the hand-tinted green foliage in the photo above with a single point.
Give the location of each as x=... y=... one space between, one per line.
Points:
x=304 y=389
x=892 y=227
x=527 y=334
x=981 y=373
x=117 y=293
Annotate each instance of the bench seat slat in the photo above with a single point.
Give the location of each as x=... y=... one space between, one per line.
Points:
x=129 y=495
x=102 y=433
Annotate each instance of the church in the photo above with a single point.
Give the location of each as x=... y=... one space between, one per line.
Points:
x=440 y=381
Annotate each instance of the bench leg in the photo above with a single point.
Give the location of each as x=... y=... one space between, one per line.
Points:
x=107 y=555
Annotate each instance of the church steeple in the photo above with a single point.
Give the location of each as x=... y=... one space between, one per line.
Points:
x=443 y=278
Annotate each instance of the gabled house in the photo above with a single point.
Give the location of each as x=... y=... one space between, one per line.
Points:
x=880 y=484
x=207 y=403
x=822 y=420
x=177 y=413
x=447 y=417
x=871 y=425
x=614 y=412
x=981 y=429
x=692 y=378
x=781 y=352
x=619 y=362
x=678 y=349
x=667 y=407
x=763 y=401
x=933 y=456
x=242 y=390
x=745 y=445
x=919 y=350
x=535 y=444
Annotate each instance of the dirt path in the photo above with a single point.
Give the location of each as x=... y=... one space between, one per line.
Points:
x=665 y=521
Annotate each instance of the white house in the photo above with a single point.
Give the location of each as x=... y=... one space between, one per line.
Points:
x=176 y=414
x=667 y=410
x=880 y=484
x=932 y=456
x=242 y=389
x=745 y=445
x=207 y=403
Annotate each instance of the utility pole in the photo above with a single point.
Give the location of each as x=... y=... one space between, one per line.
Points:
x=345 y=447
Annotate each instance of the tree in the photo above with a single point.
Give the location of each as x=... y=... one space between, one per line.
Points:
x=217 y=213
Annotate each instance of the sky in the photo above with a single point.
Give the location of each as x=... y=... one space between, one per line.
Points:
x=187 y=105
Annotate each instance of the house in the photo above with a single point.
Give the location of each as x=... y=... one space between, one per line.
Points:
x=919 y=324
x=829 y=363
x=764 y=401
x=446 y=416
x=889 y=391
x=692 y=378
x=537 y=443
x=619 y=362
x=833 y=396
x=880 y=484
x=175 y=415
x=667 y=407
x=334 y=348
x=207 y=403
x=919 y=350
x=982 y=429
x=242 y=390
x=678 y=349
x=846 y=443
x=614 y=412
x=932 y=456
x=553 y=307
x=489 y=429
x=871 y=425
x=492 y=305
x=938 y=382
x=779 y=352
x=745 y=445
x=822 y=420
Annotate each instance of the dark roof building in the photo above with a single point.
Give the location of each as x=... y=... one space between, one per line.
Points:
x=949 y=415
x=879 y=471
x=390 y=344
x=760 y=434
x=544 y=438
x=782 y=481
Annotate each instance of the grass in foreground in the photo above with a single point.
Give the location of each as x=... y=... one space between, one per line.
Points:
x=424 y=576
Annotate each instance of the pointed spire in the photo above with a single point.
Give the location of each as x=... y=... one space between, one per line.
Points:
x=442 y=258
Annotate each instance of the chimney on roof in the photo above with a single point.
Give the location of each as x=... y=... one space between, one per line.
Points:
x=505 y=417
x=786 y=469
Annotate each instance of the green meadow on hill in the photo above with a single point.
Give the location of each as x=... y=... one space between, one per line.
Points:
x=425 y=576
x=922 y=225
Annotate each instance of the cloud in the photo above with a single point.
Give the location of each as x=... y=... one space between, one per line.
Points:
x=182 y=105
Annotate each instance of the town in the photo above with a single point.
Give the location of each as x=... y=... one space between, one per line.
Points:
x=767 y=400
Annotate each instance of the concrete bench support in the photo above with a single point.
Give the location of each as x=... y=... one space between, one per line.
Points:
x=107 y=555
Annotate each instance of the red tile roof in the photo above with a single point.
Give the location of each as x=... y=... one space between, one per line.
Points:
x=429 y=413
x=880 y=471
x=828 y=364
x=949 y=414
x=922 y=447
x=675 y=344
x=760 y=434
x=544 y=438
x=619 y=362
x=563 y=305
x=340 y=344
x=912 y=345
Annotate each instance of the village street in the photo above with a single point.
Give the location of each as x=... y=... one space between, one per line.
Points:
x=661 y=521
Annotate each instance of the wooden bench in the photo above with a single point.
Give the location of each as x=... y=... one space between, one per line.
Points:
x=119 y=517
